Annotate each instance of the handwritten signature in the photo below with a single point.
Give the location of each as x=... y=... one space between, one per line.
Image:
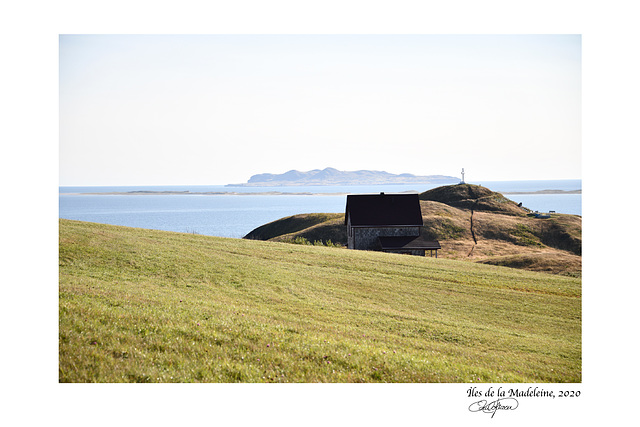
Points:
x=506 y=404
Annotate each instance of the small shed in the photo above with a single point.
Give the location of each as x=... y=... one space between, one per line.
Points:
x=409 y=245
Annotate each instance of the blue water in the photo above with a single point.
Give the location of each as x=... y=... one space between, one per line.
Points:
x=569 y=184
x=240 y=189
x=225 y=216
x=236 y=215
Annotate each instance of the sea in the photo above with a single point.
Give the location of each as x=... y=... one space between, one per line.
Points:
x=235 y=215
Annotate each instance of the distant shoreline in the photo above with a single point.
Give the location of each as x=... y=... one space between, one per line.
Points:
x=205 y=193
x=277 y=193
x=543 y=192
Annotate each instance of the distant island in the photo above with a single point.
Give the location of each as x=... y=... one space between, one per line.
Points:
x=331 y=176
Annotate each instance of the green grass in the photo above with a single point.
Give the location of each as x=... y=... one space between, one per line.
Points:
x=151 y=306
x=525 y=236
x=438 y=228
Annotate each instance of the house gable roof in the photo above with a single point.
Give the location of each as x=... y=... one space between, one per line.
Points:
x=379 y=210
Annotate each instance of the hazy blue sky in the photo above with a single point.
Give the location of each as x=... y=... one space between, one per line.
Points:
x=217 y=109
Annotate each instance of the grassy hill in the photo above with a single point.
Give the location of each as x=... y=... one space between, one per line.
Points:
x=472 y=223
x=473 y=197
x=286 y=228
x=152 y=306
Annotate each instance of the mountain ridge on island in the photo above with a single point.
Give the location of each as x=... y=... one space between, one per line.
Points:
x=331 y=176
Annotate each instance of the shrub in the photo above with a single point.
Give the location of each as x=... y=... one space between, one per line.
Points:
x=299 y=240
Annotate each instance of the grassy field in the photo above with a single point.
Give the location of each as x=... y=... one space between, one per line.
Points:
x=152 y=306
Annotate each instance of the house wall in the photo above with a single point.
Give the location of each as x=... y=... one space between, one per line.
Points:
x=366 y=238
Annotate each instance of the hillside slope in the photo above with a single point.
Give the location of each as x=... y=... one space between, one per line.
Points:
x=153 y=306
x=292 y=225
x=475 y=224
x=471 y=223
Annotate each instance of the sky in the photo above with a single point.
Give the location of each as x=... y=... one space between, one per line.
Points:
x=216 y=109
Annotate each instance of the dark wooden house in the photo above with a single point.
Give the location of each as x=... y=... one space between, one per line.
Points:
x=386 y=222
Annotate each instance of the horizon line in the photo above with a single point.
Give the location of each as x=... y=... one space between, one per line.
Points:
x=476 y=181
